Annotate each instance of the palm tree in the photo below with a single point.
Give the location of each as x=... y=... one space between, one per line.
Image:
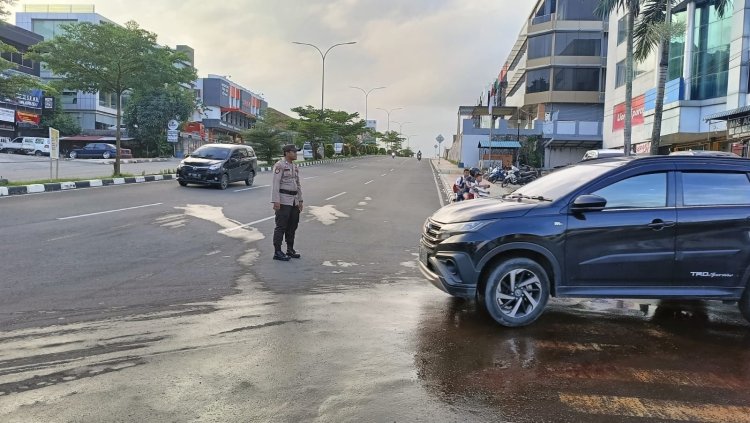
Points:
x=633 y=9
x=655 y=29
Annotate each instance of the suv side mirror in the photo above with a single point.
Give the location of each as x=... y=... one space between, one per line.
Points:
x=588 y=202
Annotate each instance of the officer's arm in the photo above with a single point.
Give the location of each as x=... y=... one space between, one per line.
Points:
x=299 y=187
x=275 y=196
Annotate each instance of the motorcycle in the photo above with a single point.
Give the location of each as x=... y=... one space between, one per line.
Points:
x=518 y=177
x=496 y=174
x=419 y=157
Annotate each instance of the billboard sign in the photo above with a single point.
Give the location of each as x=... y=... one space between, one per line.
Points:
x=637 y=108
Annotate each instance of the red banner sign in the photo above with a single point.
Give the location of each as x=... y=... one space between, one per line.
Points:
x=618 y=118
x=23 y=117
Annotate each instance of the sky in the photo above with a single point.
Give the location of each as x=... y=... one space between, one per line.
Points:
x=432 y=55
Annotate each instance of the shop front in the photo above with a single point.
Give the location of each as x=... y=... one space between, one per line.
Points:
x=737 y=133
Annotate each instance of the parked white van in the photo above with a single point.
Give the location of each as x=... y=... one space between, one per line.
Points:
x=26 y=145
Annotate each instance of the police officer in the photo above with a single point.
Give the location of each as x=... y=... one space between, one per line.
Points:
x=286 y=196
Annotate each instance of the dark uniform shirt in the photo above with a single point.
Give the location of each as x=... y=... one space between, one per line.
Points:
x=286 y=178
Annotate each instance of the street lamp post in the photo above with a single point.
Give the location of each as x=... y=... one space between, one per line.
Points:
x=408 y=140
x=367 y=94
x=323 y=56
x=388 y=112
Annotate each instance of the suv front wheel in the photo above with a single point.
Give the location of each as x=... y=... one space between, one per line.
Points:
x=516 y=292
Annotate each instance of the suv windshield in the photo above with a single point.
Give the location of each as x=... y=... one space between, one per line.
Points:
x=565 y=180
x=216 y=153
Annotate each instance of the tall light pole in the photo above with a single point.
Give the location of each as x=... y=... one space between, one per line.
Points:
x=408 y=139
x=367 y=94
x=389 y=115
x=323 y=56
x=323 y=79
x=401 y=126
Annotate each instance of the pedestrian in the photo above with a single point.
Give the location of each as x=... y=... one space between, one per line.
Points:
x=286 y=196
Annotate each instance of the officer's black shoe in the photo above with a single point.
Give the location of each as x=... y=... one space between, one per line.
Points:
x=293 y=254
x=278 y=255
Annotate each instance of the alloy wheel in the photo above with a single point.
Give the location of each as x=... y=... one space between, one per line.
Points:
x=518 y=293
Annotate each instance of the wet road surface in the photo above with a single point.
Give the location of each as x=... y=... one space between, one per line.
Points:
x=351 y=332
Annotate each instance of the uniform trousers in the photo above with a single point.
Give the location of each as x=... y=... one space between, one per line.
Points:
x=287 y=220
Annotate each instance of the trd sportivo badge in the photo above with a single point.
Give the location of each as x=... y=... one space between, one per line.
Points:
x=710 y=275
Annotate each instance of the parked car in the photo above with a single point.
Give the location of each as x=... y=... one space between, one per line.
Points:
x=97 y=150
x=662 y=227
x=219 y=165
x=26 y=145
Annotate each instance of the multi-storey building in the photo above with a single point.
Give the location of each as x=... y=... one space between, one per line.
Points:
x=92 y=110
x=554 y=79
x=707 y=82
x=228 y=108
x=25 y=109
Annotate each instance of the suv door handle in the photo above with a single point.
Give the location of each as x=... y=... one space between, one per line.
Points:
x=658 y=224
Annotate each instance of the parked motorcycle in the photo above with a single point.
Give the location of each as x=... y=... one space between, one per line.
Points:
x=496 y=174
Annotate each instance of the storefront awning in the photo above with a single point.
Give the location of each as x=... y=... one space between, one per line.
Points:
x=729 y=114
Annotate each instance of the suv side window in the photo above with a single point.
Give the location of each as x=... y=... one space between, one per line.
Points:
x=714 y=189
x=642 y=191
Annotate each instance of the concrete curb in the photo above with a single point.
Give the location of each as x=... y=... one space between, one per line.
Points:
x=131 y=161
x=65 y=186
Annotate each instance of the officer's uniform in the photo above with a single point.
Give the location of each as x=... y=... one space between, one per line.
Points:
x=286 y=191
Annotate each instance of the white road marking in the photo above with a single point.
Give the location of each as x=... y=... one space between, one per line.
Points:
x=338 y=171
x=337 y=195
x=370 y=181
x=383 y=174
x=248 y=189
x=109 y=211
x=223 y=231
x=310 y=177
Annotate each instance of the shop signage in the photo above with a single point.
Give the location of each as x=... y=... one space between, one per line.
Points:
x=7 y=115
x=173 y=135
x=23 y=117
x=738 y=127
x=618 y=118
x=32 y=99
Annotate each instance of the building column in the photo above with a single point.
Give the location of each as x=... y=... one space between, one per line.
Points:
x=737 y=89
x=687 y=58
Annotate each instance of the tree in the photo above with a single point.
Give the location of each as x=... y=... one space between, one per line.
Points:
x=112 y=59
x=392 y=140
x=318 y=127
x=265 y=139
x=149 y=109
x=60 y=120
x=655 y=29
x=632 y=8
x=329 y=151
x=13 y=83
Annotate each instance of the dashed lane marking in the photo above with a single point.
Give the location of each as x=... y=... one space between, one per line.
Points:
x=109 y=211
x=251 y=188
x=370 y=181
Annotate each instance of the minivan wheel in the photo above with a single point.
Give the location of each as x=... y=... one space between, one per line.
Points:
x=182 y=183
x=224 y=181
x=250 y=178
x=37 y=153
x=105 y=155
x=73 y=155
x=516 y=292
x=745 y=304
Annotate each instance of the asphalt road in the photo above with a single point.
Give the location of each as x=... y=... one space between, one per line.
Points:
x=153 y=302
x=19 y=167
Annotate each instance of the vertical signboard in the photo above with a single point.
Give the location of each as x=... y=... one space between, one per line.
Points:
x=54 y=151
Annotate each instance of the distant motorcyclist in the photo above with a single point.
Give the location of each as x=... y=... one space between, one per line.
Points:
x=419 y=155
x=393 y=154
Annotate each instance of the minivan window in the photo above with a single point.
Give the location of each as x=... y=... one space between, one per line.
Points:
x=642 y=191
x=564 y=181
x=715 y=189
x=208 y=152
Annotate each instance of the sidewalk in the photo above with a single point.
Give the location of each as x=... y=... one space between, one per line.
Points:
x=449 y=172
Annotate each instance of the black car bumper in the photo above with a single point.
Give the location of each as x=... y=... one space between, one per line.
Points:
x=207 y=178
x=452 y=274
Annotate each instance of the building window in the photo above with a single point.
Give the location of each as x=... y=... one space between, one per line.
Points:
x=545 y=11
x=49 y=28
x=578 y=44
x=576 y=79
x=518 y=57
x=711 y=55
x=622 y=30
x=537 y=80
x=676 y=50
x=577 y=10
x=639 y=68
x=540 y=46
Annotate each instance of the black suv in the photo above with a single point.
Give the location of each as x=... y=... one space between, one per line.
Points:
x=219 y=165
x=665 y=227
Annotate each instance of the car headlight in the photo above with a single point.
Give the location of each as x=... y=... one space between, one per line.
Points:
x=463 y=227
x=215 y=167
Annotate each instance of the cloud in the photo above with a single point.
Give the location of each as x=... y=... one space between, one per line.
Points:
x=433 y=55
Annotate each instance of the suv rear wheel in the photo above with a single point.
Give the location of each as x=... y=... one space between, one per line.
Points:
x=250 y=178
x=516 y=292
